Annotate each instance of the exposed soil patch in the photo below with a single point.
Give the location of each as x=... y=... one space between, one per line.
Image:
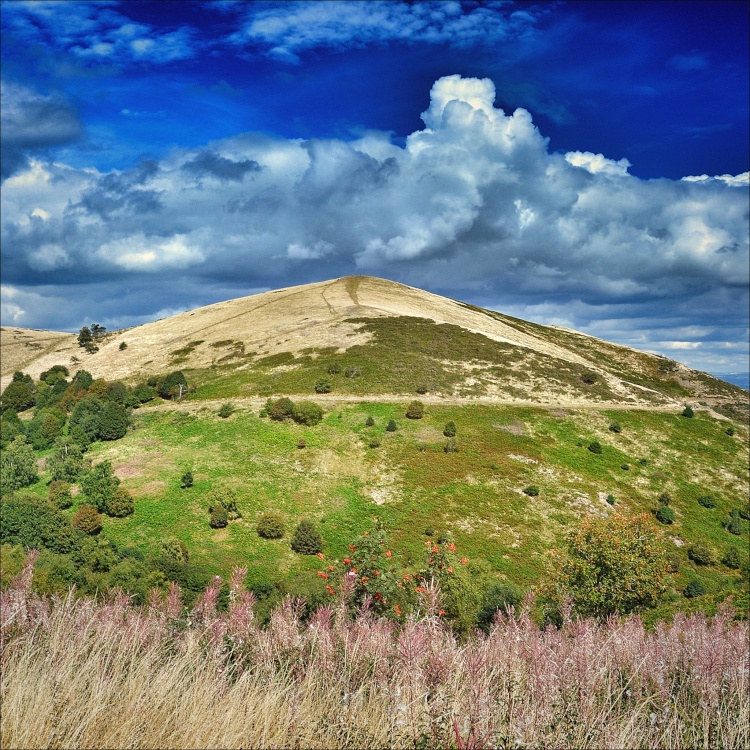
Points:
x=516 y=428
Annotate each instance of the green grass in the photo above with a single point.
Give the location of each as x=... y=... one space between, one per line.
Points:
x=475 y=494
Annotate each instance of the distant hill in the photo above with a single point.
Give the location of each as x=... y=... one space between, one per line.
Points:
x=398 y=338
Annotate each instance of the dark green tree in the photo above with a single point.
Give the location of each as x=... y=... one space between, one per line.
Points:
x=218 y=516
x=120 y=504
x=10 y=427
x=369 y=422
x=307 y=412
x=450 y=430
x=391 y=426
x=173 y=385
x=59 y=494
x=688 y=412
x=99 y=485
x=415 y=410
x=67 y=461
x=19 y=395
x=87 y=519
x=187 y=480
x=113 y=421
x=307 y=539
x=280 y=409
x=322 y=386
x=271 y=526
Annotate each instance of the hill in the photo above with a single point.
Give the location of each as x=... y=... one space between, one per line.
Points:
x=397 y=339
x=551 y=425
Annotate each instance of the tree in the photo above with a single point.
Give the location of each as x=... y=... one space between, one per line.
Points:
x=59 y=494
x=391 y=426
x=322 y=386
x=120 y=504
x=173 y=385
x=218 y=517
x=415 y=410
x=67 y=461
x=113 y=422
x=99 y=485
x=44 y=428
x=226 y=410
x=611 y=566
x=595 y=447
x=226 y=497
x=450 y=430
x=280 y=409
x=369 y=422
x=34 y=522
x=17 y=466
x=83 y=425
x=688 y=412
x=85 y=337
x=19 y=395
x=187 y=480
x=10 y=427
x=664 y=514
x=87 y=519
x=307 y=539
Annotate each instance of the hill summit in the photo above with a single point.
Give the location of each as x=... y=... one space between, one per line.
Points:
x=391 y=339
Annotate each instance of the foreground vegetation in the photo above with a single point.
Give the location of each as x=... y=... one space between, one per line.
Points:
x=77 y=672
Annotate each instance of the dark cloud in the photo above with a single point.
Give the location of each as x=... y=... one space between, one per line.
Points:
x=32 y=122
x=210 y=164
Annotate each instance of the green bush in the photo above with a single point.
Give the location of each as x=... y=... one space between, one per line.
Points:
x=17 y=465
x=219 y=517
x=688 y=412
x=99 y=485
x=31 y=521
x=664 y=514
x=450 y=430
x=532 y=490
x=173 y=385
x=113 y=422
x=730 y=431
x=693 y=589
x=352 y=372
x=322 y=386
x=451 y=446
x=333 y=369
x=700 y=554
x=271 y=526
x=706 y=501
x=664 y=499
x=307 y=412
x=497 y=598
x=589 y=378
x=120 y=504
x=735 y=524
x=369 y=422
x=186 y=481
x=391 y=426
x=625 y=467
x=615 y=427
x=280 y=409
x=415 y=410
x=611 y=499
x=595 y=447
x=67 y=461
x=307 y=539
x=175 y=549
x=87 y=519
x=226 y=497
x=374 y=442
x=59 y=494
x=226 y=410
x=301 y=443
x=731 y=558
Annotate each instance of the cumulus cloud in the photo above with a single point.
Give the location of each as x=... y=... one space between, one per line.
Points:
x=286 y=30
x=473 y=205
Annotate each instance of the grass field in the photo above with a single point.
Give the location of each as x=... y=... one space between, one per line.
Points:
x=411 y=484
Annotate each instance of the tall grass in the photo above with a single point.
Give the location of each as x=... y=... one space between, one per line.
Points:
x=83 y=673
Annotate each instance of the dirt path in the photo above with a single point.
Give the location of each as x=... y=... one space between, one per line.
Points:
x=331 y=401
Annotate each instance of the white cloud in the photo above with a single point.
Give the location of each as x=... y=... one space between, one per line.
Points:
x=740 y=180
x=140 y=253
x=597 y=163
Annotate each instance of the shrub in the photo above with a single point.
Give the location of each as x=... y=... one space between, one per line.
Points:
x=422 y=389
x=280 y=409
x=615 y=427
x=700 y=555
x=87 y=519
x=123 y=346
x=532 y=490
x=307 y=539
x=99 y=484
x=450 y=430
x=369 y=422
x=352 y=372
x=497 y=598
x=611 y=499
x=301 y=443
x=271 y=526
x=643 y=461
x=307 y=412
x=186 y=481
x=226 y=497
x=226 y=410
x=611 y=566
x=735 y=524
x=59 y=494
x=693 y=589
x=730 y=431
x=219 y=517
x=322 y=386
x=451 y=446
x=374 y=442
x=391 y=426
x=731 y=558
x=664 y=514
x=744 y=512
x=688 y=412
x=333 y=369
x=595 y=447
x=589 y=378
x=706 y=501
x=429 y=531
x=120 y=504
x=415 y=410
x=665 y=498
x=175 y=549
x=625 y=467
x=17 y=465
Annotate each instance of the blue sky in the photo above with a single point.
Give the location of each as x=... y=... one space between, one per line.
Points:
x=573 y=163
